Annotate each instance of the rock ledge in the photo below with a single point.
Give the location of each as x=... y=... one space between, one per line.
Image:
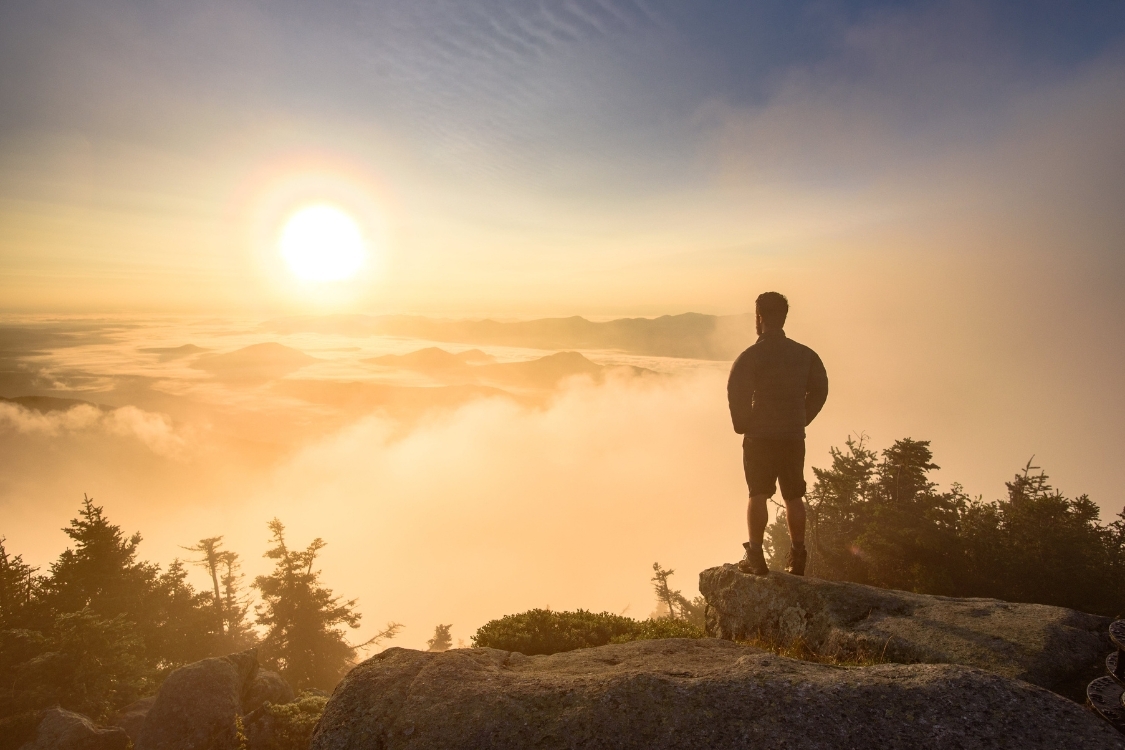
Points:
x=679 y=693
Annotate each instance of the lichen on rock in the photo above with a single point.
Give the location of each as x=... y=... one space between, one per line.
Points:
x=1047 y=646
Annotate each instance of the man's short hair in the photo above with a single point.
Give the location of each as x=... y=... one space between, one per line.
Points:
x=772 y=307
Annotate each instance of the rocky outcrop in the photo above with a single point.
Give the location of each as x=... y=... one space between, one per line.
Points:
x=679 y=693
x=63 y=730
x=199 y=707
x=1047 y=646
x=132 y=717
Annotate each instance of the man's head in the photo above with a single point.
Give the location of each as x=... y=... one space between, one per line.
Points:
x=770 y=311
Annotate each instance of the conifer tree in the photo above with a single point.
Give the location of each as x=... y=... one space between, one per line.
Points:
x=236 y=605
x=441 y=641
x=18 y=585
x=101 y=571
x=211 y=553
x=677 y=605
x=302 y=618
x=178 y=622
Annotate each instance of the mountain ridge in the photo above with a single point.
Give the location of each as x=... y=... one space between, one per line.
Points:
x=687 y=335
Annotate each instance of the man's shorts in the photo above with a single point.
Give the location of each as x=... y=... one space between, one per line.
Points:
x=772 y=461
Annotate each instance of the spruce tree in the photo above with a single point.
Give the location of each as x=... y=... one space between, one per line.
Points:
x=441 y=641
x=677 y=605
x=101 y=571
x=302 y=618
x=18 y=586
x=236 y=605
x=210 y=550
x=102 y=574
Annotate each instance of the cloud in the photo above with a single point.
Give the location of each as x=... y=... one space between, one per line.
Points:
x=498 y=507
x=469 y=514
x=154 y=431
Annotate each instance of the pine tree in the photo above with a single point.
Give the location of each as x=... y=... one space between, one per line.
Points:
x=442 y=641
x=102 y=574
x=18 y=586
x=210 y=549
x=178 y=622
x=102 y=571
x=302 y=618
x=674 y=602
x=236 y=605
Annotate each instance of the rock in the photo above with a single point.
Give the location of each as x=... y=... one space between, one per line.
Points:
x=198 y=706
x=63 y=730
x=266 y=686
x=1047 y=646
x=680 y=693
x=132 y=717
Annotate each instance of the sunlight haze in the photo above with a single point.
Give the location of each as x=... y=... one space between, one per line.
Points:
x=456 y=286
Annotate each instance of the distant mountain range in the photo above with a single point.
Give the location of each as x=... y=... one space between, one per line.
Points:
x=475 y=366
x=169 y=353
x=257 y=362
x=690 y=335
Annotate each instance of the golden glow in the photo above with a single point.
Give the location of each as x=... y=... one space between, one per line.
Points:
x=322 y=243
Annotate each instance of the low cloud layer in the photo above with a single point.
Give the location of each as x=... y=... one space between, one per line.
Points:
x=476 y=512
x=154 y=431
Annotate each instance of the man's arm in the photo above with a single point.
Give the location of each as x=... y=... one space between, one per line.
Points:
x=740 y=393
x=816 y=389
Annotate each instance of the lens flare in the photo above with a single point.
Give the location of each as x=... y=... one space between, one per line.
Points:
x=322 y=243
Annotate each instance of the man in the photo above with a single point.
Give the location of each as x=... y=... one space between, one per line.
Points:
x=776 y=388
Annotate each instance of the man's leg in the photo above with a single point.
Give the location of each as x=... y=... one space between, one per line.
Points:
x=795 y=517
x=761 y=486
x=798 y=555
x=757 y=516
x=792 y=480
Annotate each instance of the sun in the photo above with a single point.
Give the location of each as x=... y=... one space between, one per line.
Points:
x=322 y=243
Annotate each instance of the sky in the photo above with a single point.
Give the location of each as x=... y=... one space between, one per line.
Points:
x=937 y=187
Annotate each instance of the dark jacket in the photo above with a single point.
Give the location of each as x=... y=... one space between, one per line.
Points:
x=776 y=387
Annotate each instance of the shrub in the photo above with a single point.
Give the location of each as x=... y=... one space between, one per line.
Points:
x=293 y=723
x=662 y=627
x=541 y=631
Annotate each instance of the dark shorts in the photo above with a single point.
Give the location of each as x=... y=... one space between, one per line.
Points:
x=772 y=461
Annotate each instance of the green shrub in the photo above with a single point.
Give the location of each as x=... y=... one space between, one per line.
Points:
x=663 y=627
x=293 y=723
x=541 y=631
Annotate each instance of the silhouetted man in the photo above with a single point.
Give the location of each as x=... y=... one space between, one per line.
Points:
x=776 y=388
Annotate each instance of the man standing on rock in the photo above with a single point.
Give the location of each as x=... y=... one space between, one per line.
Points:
x=776 y=388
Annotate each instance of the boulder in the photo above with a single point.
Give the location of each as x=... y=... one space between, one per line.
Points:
x=1047 y=646
x=681 y=693
x=63 y=730
x=266 y=686
x=132 y=717
x=199 y=706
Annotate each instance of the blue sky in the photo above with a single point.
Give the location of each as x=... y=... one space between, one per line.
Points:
x=591 y=79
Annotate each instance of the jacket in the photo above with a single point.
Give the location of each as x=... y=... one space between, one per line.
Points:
x=776 y=388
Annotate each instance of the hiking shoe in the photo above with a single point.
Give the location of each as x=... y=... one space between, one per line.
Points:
x=754 y=562
x=797 y=559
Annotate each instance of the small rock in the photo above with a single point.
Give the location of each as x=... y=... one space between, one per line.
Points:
x=64 y=730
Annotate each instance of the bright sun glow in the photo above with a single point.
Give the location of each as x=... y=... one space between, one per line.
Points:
x=322 y=243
